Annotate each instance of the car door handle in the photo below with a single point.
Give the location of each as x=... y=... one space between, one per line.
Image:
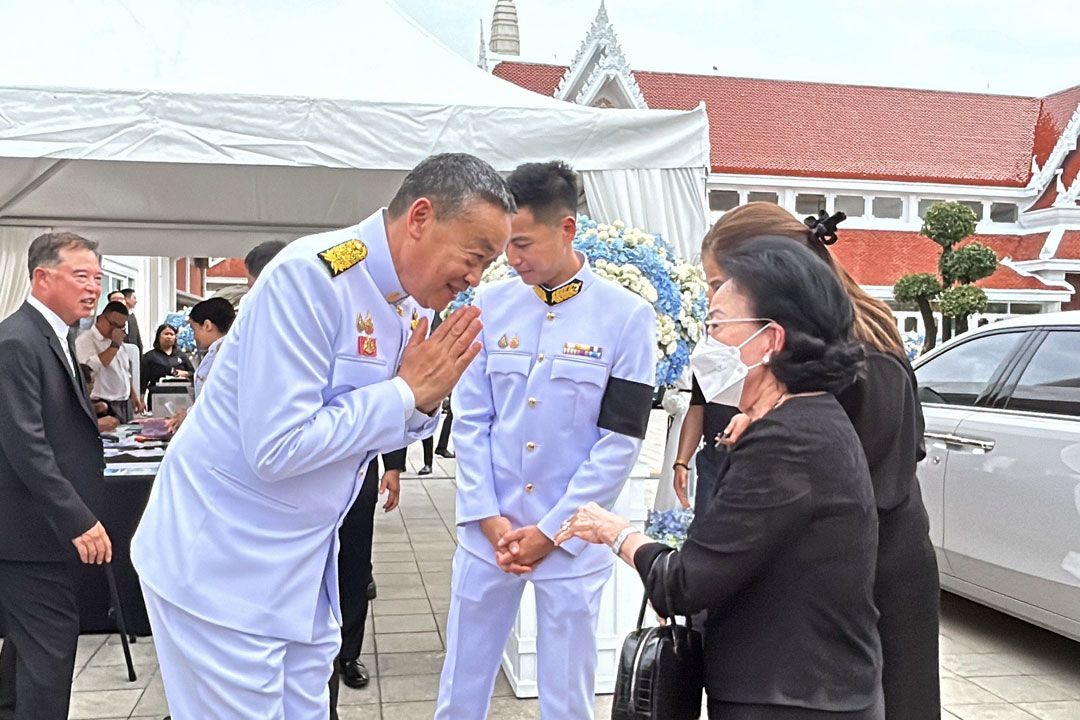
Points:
x=950 y=439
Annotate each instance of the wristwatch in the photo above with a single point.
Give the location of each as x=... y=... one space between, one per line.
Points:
x=626 y=532
x=680 y=463
x=114 y=346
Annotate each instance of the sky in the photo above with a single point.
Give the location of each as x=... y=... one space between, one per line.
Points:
x=1011 y=47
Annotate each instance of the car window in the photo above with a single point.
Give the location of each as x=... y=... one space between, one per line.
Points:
x=1051 y=381
x=960 y=374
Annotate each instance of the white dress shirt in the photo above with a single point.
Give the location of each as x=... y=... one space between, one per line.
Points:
x=59 y=327
x=112 y=382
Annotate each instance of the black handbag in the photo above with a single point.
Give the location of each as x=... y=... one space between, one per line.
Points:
x=661 y=671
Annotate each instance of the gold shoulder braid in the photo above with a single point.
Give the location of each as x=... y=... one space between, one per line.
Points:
x=343 y=256
x=559 y=294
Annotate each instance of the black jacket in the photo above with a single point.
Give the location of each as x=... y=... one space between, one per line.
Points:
x=783 y=559
x=51 y=460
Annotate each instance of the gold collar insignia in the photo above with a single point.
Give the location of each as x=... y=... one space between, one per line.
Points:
x=560 y=294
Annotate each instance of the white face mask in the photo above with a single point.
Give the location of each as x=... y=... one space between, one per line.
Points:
x=720 y=370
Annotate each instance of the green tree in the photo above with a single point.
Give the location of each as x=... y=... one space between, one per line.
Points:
x=921 y=289
x=947 y=224
x=961 y=302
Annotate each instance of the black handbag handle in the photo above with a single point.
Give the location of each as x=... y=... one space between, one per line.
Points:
x=667 y=593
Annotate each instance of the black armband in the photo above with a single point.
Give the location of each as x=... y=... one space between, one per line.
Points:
x=625 y=407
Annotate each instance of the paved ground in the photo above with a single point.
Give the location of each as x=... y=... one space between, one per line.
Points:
x=992 y=666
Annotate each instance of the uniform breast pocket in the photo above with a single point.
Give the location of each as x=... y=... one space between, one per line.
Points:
x=584 y=382
x=508 y=372
x=351 y=373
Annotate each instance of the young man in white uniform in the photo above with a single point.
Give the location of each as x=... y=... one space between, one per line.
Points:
x=550 y=415
x=237 y=550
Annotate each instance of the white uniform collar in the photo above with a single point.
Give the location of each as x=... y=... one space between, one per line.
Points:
x=379 y=262
x=569 y=289
x=59 y=326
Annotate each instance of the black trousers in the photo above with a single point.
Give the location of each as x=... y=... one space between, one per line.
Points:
x=120 y=409
x=354 y=574
x=40 y=619
x=444 y=436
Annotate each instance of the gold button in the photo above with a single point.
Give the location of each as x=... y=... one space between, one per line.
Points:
x=551 y=316
x=530 y=446
x=540 y=357
x=529 y=487
x=532 y=402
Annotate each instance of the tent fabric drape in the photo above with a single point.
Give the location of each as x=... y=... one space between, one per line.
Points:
x=14 y=243
x=669 y=201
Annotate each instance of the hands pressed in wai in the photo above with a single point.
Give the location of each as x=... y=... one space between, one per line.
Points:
x=431 y=366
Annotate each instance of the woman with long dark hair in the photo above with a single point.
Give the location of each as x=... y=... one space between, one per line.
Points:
x=782 y=555
x=885 y=411
x=165 y=360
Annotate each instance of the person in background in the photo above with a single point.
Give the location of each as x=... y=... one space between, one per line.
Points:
x=258 y=258
x=105 y=421
x=101 y=347
x=51 y=466
x=210 y=320
x=115 y=296
x=164 y=360
x=782 y=557
x=883 y=406
x=355 y=583
x=133 y=335
x=703 y=420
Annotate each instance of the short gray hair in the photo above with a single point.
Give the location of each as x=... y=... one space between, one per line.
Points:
x=45 y=249
x=450 y=181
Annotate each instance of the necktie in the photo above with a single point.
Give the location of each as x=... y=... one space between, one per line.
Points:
x=77 y=372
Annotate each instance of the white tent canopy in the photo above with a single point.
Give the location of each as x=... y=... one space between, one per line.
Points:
x=200 y=127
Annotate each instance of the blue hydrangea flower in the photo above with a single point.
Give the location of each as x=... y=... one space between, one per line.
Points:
x=669 y=526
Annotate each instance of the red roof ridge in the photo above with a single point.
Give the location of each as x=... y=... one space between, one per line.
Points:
x=674 y=73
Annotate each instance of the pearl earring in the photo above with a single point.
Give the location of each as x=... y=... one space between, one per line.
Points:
x=765 y=360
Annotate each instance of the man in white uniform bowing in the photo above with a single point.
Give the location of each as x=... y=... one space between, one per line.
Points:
x=551 y=413
x=237 y=550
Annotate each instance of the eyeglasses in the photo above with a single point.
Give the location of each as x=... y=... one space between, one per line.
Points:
x=712 y=325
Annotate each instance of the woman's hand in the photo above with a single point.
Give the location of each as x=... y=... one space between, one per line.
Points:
x=734 y=430
x=592 y=524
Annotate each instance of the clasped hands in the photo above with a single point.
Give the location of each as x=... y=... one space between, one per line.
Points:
x=516 y=551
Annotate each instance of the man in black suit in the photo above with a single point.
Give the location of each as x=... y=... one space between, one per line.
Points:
x=51 y=466
x=132 y=335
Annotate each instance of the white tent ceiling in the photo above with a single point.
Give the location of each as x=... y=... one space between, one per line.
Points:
x=199 y=127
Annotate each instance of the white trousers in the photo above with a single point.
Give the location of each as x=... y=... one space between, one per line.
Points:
x=483 y=605
x=214 y=672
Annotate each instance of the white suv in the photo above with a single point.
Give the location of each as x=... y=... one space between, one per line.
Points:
x=1001 y=478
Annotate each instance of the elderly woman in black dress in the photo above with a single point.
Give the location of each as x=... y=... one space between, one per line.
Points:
x=884 y=408
x=782 y=556
x=165 y=360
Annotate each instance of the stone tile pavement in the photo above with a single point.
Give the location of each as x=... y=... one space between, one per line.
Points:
x=992 y=666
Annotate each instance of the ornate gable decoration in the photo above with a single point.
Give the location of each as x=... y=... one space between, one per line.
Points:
x=1051 y=171
x=599 y=74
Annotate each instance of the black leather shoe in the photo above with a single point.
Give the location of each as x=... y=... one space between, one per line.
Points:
x=443 y=452
x=372 y=591
x=426 y=470
x=354 y=674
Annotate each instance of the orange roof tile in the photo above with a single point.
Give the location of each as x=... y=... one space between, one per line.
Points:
x=777 y=127
x=881 y=257
x=229 y=267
